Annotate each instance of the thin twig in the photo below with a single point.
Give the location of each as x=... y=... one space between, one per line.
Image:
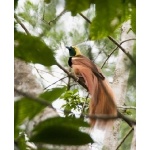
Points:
x=125 y=138
x=55 y=82
x=39 y=74
x=85 y=18
x=22 y=25
x=127 y=53
x=55 y=19
x=114 y=51
x=109 y=56
x=84 y=103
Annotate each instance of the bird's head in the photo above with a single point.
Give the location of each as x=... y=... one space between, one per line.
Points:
x=73 y=51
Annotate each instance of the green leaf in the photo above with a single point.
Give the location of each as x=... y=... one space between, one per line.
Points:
x=59 y=130
x=76 y=7
x=47 y=1
x=53 y=94
x=32 y=49
x=25 y=109
x=15 y=3
x=21 y=142
x=108 y=17
x=133 y=20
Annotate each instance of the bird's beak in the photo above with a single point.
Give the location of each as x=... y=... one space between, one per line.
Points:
x=67 y=47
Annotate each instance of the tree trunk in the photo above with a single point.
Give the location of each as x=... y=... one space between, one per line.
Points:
x=24 y=79
x=120 y=82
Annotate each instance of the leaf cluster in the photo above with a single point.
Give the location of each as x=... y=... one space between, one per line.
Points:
x=75 y=102
x=108 y=15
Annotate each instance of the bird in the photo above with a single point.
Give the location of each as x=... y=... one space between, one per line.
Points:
x=102 y=100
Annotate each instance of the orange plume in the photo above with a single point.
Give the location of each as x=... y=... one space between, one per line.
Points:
x=102 y=98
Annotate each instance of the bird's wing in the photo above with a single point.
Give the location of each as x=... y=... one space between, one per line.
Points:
x=85 y=62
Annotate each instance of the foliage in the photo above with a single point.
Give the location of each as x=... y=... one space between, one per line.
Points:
x=60 y=131
x=45 y=46
x=74 y=102
x=114 y=13
x=35 y=51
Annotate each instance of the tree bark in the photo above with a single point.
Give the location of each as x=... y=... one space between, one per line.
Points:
x=120 y=82
x=24 y=79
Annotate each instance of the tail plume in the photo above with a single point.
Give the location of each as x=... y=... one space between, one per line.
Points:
x=102 y=102
x=102 y=98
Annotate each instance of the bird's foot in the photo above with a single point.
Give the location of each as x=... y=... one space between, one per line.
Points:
x=77 y=79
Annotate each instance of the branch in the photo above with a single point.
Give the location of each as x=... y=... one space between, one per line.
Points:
x=109 y=56
x=71 y=75
x=104 y=117
x=85 y=18
x=114 y=51
x=55 y=19
x=127 y=53
x=55 y=82
x=128 y=120
x=39 y=74
x=126 y=107
x=35 y=99
x=22 y=25
x=125 y=138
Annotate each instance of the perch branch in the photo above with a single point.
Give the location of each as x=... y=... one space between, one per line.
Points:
x=71 y=75
x=22 y=25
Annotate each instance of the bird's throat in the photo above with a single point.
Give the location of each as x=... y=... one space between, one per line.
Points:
x=70 y=61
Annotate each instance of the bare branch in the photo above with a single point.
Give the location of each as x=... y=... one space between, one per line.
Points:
x=127 y=53
x=125 y=138
x=37 y=70
x=109 y=56
x=35 y=99
x=22 y=25
x=85 y=18
x=55 y=82
x=114 y=51
x=55 y=19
